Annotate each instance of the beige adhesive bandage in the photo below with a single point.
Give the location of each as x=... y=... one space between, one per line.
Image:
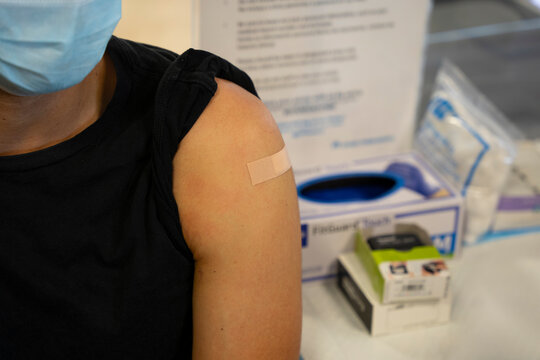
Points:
x=269 y=167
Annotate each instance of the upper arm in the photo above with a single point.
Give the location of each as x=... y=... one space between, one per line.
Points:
x=245 y=238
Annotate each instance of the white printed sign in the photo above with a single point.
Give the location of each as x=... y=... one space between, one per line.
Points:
x=341 y=77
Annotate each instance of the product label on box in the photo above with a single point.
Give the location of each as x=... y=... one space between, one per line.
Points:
x=414 y=279
x=357 y=298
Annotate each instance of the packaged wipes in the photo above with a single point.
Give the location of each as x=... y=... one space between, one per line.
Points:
x=469 y=142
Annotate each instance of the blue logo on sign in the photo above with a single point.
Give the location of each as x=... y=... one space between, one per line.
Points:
x=440 y=108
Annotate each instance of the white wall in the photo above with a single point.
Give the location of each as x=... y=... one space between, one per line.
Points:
x=165 y=23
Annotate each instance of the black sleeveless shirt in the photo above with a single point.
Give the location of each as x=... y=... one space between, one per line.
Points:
x=93 y=264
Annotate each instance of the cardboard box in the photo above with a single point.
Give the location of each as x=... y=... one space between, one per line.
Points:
x=381 y=319
x=403 y=265
x=338 y=200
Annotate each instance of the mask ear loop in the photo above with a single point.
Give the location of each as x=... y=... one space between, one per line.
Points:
x=269 y=167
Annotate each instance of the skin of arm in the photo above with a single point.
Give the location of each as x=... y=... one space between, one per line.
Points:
x=245 y=238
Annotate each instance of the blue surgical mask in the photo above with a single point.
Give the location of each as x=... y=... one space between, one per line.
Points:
x=50 y=45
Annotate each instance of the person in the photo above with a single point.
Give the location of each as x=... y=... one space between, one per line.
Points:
x=129 y=224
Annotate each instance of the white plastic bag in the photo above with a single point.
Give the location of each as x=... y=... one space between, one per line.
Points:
x=469 y=142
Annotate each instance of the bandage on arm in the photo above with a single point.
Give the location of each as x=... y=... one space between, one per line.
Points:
x=269 y=167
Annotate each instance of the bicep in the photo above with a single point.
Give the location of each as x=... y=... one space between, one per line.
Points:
x=247 y=290
x=245 y=238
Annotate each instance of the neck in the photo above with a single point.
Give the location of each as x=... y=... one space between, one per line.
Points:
x=31 y=123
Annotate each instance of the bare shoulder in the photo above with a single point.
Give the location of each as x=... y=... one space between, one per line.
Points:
x=211 y=163
x=245 y=238
x=236 y=121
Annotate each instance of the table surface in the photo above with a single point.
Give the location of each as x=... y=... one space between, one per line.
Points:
x=495 y=313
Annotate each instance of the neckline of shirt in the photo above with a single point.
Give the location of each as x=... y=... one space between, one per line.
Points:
x=86 y=137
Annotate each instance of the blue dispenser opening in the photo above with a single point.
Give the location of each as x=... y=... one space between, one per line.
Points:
x=350 y=188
